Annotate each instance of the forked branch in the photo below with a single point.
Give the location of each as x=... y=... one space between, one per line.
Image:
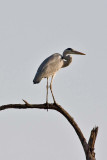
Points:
x=88 y=147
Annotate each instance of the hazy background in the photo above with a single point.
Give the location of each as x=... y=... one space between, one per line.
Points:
x=30 y=31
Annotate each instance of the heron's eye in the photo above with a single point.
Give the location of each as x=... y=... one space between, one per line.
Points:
x=69 y=49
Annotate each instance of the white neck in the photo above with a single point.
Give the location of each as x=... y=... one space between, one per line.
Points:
x=67 y=59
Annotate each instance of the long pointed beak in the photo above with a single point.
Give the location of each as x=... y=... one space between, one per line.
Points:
x=77 y=52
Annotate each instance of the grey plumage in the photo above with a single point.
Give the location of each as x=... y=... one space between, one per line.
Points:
x=49 y=67
x=52 y=64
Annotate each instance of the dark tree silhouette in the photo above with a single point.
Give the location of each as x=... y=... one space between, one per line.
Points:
x=87 y=146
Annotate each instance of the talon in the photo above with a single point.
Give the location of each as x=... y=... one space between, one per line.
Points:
x=55 y=102
x=47 y=104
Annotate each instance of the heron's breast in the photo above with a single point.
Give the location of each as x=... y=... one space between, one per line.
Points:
x=53 y=68
x=50 y=66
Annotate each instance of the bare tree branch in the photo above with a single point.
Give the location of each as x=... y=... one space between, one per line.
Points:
x=92 y=140
x=88 y=147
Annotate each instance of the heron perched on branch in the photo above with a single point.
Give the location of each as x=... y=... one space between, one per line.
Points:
x=51 y=65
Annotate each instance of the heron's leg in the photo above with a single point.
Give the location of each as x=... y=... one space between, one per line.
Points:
x=47 y=95
x=51 y=89
x=47 y=92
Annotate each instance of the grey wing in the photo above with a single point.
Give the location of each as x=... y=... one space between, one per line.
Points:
x=49 y=67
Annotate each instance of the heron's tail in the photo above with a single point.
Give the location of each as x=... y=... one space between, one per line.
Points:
x=37 y=79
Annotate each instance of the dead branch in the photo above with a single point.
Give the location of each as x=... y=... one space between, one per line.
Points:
x=88 y=147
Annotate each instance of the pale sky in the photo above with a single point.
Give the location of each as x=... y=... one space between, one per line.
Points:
x=30 y=31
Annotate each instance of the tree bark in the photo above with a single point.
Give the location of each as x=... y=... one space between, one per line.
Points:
x=88 y=147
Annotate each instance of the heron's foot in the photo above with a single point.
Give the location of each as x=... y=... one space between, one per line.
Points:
x=55 y=101
x=47 y=105
x=56 y=104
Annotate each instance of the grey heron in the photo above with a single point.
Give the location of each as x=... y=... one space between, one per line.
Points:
x=51 y=65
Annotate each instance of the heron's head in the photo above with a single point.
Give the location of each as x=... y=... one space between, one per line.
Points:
x=72 y=51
